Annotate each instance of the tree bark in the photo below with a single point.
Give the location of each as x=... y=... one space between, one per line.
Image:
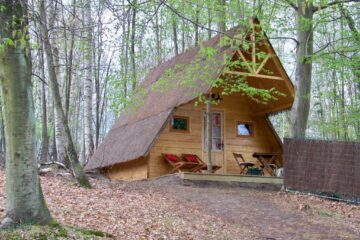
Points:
x=69 y=65
x=44 y=127
x=209 y=23
x=221 y=12
x=60 y=140
x=300 y=110
x=157 y=37
x=196 y=25
x=88 y=86
x=72 y=154
x=175 y=37
x=209 y=134
x=24 y=200
x=132 y=48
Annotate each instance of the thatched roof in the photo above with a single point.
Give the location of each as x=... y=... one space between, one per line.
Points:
x=136 y=130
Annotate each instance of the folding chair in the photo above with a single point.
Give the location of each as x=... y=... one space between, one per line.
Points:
x=202 y=164
x=178 y=164
x=244 y=166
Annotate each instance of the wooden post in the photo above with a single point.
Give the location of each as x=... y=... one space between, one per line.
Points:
x=209 y=133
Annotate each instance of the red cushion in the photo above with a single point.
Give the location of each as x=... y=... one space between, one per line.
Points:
x=191 y=158
x=171 y=157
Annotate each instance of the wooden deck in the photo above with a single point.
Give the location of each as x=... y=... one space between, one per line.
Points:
x=231 y=178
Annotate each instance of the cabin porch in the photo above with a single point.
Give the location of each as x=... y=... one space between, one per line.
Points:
x=233 y=178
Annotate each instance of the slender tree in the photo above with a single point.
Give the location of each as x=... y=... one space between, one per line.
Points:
x=132 y=40
x=88 y=85
x=71 y=151
x=24 y=201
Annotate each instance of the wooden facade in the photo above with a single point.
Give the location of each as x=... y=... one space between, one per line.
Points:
x=232 y=109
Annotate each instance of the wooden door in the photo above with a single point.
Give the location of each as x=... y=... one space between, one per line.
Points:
x=217 y=151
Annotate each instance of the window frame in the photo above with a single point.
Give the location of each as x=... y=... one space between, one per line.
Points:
x=172 y=129
x=222 y=127
x=252 y=129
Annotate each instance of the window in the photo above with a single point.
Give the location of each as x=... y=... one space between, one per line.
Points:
x=244 y=129
x=180 y=124
x=217 y=141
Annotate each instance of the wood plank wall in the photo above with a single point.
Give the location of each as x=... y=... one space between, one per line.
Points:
x=133 y=170
x=234 y=108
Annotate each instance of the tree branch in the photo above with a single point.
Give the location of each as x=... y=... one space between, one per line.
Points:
x=320 y=7
x=287 y=38
x=189 y=20
x=351 y=23
x=40 y=78
x=291 y=4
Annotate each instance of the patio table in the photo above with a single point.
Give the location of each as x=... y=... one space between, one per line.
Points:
x=267 y=160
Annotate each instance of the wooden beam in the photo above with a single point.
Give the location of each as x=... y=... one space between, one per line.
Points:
x=246 y=62
x=254 y=75
x=263 y=64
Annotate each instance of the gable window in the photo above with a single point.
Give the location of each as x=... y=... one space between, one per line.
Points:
x=180 y=124
x=244 y=129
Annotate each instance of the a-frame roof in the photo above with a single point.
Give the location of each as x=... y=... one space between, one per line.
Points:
x=137 y=129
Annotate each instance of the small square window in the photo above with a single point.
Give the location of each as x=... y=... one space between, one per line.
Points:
x=180 y=124
x=244 y=129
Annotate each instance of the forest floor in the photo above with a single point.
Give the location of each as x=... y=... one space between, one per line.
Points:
x=167 y=209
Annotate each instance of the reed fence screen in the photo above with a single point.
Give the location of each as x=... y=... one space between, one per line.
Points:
x=322 y=166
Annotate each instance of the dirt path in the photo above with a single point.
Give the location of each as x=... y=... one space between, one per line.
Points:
x=268 y=214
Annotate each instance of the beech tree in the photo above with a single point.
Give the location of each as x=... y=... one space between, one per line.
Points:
x=24 y=201
x=305 y=11
x=73 y=159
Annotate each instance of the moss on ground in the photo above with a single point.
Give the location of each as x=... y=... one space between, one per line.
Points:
x=52 y=232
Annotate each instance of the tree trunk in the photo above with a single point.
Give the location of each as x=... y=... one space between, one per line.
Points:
x=196 y=25
x=88 y=86
x=44 y=127
x=69 y=66
x=209 y=23
x=175 y=37
x=2 y=134
x=72 y=155
x=132 y=48
x=24 y=198
x=157 y=37
x=125 y=50
x=301 y=106
x=209 y=134
x=60 y=140
x=221 y=12
x=98 y=62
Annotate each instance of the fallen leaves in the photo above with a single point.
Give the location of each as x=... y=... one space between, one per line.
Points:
x=127 y=213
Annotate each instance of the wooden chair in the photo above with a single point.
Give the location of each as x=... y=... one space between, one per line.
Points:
x=244 y=166
x=202 y=164
x=178 y=164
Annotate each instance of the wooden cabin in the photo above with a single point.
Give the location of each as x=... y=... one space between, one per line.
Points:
x=172 y=120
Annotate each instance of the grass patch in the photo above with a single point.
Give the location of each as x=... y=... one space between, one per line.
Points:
x=52 y=232
x=97 y=233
